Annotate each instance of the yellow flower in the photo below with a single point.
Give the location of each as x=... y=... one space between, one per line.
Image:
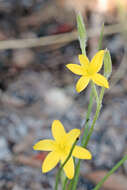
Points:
x=60 y=148
x=89 y=71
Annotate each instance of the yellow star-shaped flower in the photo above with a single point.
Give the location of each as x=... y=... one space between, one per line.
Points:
x=89 y=71
x=60 y=148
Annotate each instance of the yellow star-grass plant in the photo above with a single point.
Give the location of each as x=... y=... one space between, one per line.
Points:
x=89 y=71
x=63 y=148
x=60 y=148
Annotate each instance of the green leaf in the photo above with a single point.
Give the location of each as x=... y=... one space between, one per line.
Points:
x=82 y=33
x=107 y=64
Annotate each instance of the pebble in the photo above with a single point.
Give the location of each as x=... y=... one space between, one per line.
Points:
x=17 y=187
x=57 y=99
x=5 y=154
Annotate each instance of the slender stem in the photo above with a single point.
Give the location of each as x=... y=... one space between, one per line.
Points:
x=60 y=169
x=95 y=92
x=73 y=183
x=65 y=183
x=86 y=132
x=96 y=115
x=89 y=107
x=70 y=185
x=93 y=123
x=88 y=137
x=63 y=179
x=77 y=170
x=101 y=94
x=110 y=172
x=85 y=144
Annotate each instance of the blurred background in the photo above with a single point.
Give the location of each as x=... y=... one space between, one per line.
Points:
x=37 y=39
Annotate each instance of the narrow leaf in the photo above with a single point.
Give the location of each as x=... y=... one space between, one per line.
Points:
x=82 y=33
x=107 y=64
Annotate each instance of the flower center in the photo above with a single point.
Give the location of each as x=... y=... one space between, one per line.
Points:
x=87 y=71
x=62 y=148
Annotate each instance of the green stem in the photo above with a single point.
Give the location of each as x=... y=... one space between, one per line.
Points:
x=65 y=183
x=93 y=123
x=86 y=127
x=75 y=179
x=60 y=169
x=111 y=172
x=89 y=107
x=77 y=170
x=86 y=131
x=70 y=185
x=63 y=179
x=95 y=92
x=95 y=116
x=101 y=94
x=71 y=181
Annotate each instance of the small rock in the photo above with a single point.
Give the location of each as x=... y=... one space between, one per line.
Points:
x=17 y=187
x=58 y=99
x=13 y=101
x=5 y=154
x=23 y=58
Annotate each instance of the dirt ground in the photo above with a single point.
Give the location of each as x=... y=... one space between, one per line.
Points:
x=36 y=88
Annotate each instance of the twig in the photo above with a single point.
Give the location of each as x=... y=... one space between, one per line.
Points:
x=56 y=39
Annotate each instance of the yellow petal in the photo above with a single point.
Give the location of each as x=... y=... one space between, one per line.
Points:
x=84 y=61
x=58 y=130
x=72 y=135
x=100 y=80
x=69 y=168
x=81 y=153
x=47 y=145
x=82 y=83
x=50 y=162
x=97 y=61
x=77 y=69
